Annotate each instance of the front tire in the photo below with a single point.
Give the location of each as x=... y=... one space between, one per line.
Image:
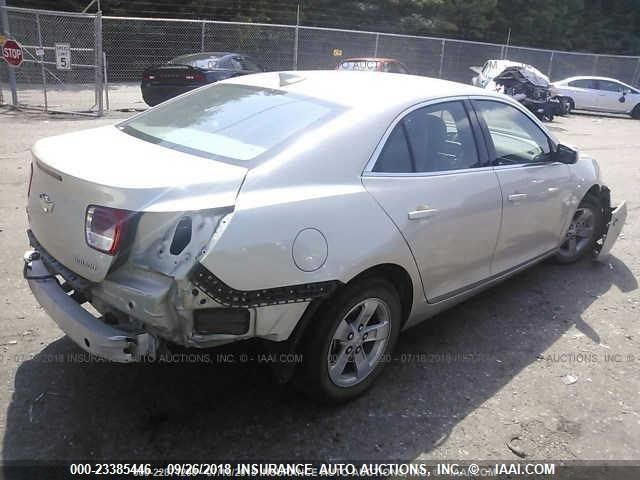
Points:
x=584 y=231
x=349 y=339
x=635 y=113
x=570 y=104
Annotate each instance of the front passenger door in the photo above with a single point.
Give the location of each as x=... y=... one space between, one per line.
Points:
x=611 y=98
x=536 y=193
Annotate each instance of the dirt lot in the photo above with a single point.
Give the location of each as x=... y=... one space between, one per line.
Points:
x=496 y=367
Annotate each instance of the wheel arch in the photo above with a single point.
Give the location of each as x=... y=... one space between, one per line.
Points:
x=398 y=277
x=603 y=195
x=594 y=191
x=572 y=102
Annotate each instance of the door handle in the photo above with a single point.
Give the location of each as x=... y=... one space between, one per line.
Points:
x=552 y=189
x=514 y=197
x=422 y=213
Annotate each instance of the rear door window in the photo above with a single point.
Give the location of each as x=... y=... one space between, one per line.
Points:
x=435 y=138
x=583 y=83
x=395 y=156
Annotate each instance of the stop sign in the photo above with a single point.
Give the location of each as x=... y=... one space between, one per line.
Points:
x=12 y=53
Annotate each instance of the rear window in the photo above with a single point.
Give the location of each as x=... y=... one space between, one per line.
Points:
x=236 y=122
x=199 y=61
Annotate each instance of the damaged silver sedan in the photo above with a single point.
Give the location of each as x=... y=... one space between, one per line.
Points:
x=303 y=209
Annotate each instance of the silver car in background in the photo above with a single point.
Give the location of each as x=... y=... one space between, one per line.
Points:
x=322 y=212
x=600 y=94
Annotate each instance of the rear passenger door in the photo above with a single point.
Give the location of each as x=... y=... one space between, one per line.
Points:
x=584 y=93
x=430 y=177
x=536 y=192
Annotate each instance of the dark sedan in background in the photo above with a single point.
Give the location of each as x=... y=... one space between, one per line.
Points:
x=184 y=73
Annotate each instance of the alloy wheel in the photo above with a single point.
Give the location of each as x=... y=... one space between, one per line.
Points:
x=359 y=342
x=580 y=233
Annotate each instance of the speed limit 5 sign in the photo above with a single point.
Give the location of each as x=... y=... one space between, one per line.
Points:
x=63 y=56
x=12 y=53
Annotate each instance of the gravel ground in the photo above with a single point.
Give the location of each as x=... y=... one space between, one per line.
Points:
x=548 y=361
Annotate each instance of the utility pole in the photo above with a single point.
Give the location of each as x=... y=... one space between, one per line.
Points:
x=506 y=50
x=7 y=32
x=295 y=40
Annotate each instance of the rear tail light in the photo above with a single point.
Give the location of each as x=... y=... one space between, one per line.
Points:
x=198 y=77
x=105 y=228
x=148 y=76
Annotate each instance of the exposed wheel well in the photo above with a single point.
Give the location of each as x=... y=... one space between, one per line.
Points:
x=400 y=279
x=594 y=191
x=603 y=195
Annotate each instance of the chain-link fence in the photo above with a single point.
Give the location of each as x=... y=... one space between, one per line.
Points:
x=132 y=44
x=61 y=70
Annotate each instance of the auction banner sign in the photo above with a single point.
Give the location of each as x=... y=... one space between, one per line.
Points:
x=442 y=469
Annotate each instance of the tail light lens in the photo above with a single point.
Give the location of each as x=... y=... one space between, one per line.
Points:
x=147 y=76
x=105 y=228
x=198 y=77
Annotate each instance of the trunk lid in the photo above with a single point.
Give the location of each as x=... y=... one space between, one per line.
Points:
x=109 y=168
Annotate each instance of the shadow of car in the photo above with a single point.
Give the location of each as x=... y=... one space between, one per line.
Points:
x=231 y=409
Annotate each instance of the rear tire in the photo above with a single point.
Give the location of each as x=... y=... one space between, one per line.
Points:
x=584 y=231
x=349 y=340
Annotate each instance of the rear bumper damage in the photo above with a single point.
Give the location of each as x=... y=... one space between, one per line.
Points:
x=139 y=310
x=89 y=332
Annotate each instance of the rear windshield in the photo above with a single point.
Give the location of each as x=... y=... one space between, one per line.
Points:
x=200 y=61
x=236 y=122
x=368 y=65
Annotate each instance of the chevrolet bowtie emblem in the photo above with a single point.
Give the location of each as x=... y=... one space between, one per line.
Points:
x=46 y=204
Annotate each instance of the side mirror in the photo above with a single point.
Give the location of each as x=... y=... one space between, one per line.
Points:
x=564 y=154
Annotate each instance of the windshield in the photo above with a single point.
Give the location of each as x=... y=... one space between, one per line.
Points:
x=237 y=122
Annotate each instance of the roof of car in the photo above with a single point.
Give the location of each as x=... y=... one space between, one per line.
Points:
x=591 y=77
x=357 y=89
x=207 y=54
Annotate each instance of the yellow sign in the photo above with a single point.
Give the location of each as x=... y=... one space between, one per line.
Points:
x=2 y=39
x=337 y=52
